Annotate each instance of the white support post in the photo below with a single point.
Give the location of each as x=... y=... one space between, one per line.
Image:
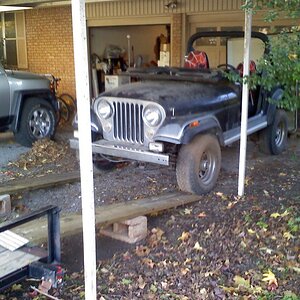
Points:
x=85 y=146
x=245 y=98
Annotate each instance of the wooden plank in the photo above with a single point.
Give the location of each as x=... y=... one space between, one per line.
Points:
x=10 y=261
x=36 y=231
x=21 y=185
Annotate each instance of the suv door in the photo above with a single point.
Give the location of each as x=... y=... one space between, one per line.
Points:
x=4 y=97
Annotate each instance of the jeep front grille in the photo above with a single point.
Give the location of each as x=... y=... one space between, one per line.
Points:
x=128 y=125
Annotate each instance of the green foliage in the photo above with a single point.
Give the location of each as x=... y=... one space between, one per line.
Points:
x=273 y=8
x=278 y=68
x=281 y=67
x=126 y=281
x=262 y=224
x=294 y=225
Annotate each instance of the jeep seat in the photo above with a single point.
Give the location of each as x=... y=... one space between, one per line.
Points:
x=197 y=60
x=253 y=93
x=252 y=68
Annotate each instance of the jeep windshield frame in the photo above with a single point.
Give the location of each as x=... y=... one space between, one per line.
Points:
x=229 y=34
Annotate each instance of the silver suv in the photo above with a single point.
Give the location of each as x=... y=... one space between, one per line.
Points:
x=28 y=107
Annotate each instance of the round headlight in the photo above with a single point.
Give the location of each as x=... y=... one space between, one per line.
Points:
x=104 y=109
x=152 y=115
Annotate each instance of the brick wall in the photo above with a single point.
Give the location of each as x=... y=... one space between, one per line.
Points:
x=50 y=44
x=176 y=39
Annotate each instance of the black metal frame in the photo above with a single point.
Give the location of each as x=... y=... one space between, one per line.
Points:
x=229 y=34
x=54 y=247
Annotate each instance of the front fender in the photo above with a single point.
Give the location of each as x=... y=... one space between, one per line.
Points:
x=96 y=127
x=276 y=96
x=205 y=125
x=19 y=98
x=180 y=132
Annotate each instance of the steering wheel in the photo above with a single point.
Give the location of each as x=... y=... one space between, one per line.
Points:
x=227 y=67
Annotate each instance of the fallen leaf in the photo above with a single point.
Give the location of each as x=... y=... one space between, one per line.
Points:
x=16 y=287
x=184 y=271
x=198 y=247
x=221 y=195
x=164 y=285
x=202 y=215
x=104 y=270
x=282 y=174
x=155 y=237
x=184 y=236
x=141 y=282
x=247 y=181
x=271 y=279
x=251 y=231
x=275 y=215
x=187 y=211
x=285 y=213
x=126 y=281
x=153 y=288
x=240 y=282
x=287 y=235
x=142 y=251
x=296 y=269
x=148 y=262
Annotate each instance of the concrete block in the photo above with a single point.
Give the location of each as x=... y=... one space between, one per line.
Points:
x=129 y=231
x=5 y=205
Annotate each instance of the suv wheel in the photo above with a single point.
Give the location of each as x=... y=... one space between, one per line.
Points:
x=37 y=121
x=198 y=165
x=273 y=139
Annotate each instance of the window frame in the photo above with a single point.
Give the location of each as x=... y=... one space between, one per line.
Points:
x=20 y=40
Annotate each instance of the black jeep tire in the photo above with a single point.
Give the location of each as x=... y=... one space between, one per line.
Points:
x=198 y=165
x=100 y=162
x=273 y=139
x=37 y=122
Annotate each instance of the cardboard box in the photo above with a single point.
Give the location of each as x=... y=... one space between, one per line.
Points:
x=161 y=63
x=114 y=81
x=164 y=56
x=165 y=47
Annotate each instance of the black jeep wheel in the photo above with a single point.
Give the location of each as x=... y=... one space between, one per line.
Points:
x=100 y=162
x=198 y=165
x=273 y=139
x=37 y=122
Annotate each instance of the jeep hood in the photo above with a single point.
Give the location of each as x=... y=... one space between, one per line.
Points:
x=183 y=96
x=23 y=75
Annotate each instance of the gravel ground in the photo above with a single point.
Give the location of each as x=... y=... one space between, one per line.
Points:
x=9 y=149
x=128 y=181
x=222 y=247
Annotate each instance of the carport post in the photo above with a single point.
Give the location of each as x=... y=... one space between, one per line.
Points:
x=85 y=147
x=245 y=98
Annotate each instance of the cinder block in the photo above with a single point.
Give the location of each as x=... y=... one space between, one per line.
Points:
x=5 y=205
x=129 y=231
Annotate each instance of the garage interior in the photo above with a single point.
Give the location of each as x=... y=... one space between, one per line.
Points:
x=113 y=49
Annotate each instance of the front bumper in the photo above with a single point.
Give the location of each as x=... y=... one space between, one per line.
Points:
x=128 y=152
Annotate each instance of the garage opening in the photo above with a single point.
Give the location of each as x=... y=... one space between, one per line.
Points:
x=114 y=49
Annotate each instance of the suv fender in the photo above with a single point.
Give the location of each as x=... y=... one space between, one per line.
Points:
x=21 y=99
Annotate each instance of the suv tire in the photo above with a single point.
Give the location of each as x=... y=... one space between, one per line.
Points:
x=273 y=139
x=198 y=164
x=37 y=121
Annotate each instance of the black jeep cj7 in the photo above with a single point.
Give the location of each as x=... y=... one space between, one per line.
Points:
x=188 y=113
